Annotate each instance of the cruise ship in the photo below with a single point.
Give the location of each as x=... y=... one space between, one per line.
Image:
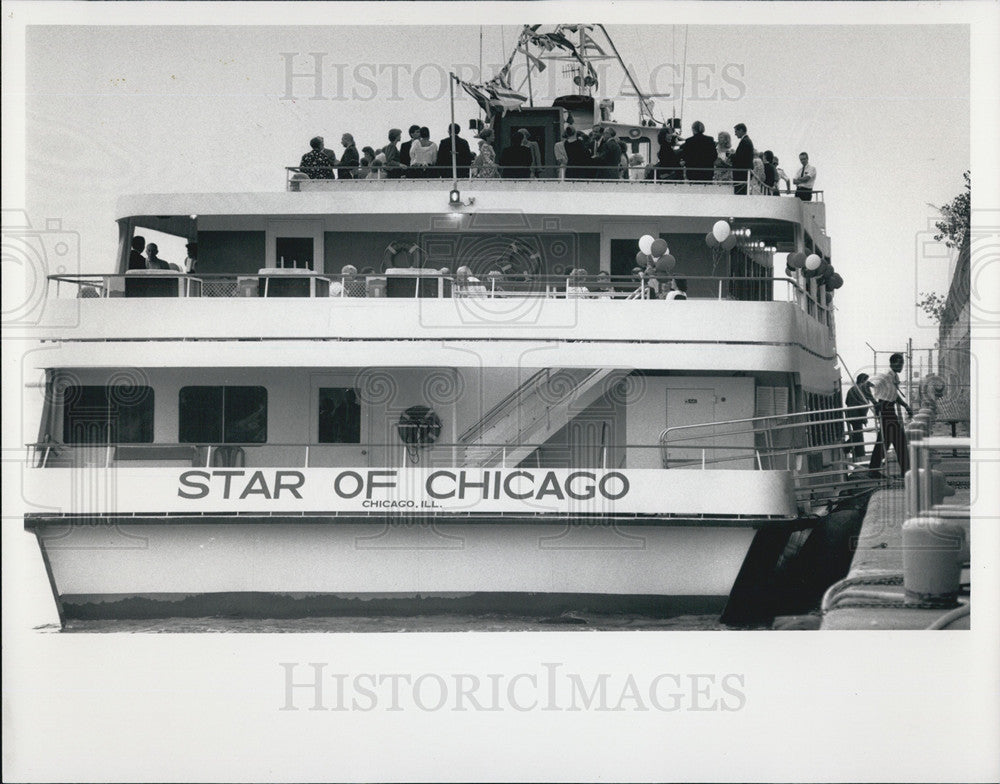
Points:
x=330 y=416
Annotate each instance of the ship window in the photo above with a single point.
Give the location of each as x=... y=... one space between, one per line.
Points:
x=108 y=415
x=294 y=252
x=339 y=416
x=223 y=415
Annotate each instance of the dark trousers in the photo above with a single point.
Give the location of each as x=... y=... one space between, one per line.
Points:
x=892 y=435
x=805 y=194
x=740 y=182
x=856 y=436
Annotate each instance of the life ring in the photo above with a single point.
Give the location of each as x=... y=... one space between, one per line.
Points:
x=419 y=426
x=396 y=247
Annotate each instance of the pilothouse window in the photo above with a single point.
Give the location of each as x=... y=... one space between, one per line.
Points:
x=223 y=415
x=339 y=416
x=108 y=415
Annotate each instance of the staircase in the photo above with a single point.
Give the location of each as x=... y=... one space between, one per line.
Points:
x=532 y=414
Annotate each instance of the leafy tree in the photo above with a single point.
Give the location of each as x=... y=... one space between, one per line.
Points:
x=956 y=217
x=932 y=304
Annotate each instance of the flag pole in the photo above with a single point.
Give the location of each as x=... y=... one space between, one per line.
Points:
x=451 y=131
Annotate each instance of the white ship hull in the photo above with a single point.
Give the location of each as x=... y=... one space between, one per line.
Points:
x=293 y=567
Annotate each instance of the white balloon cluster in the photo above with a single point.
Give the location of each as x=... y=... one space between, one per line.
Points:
x=721 y=236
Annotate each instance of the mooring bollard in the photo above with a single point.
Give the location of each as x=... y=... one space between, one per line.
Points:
x=932 y=570
x=917 y=498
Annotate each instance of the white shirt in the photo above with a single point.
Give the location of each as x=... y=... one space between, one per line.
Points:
x=809 y=173
x=423 y=155
x=885 y=386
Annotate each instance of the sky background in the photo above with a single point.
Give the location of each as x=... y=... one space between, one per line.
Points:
x=882 y=110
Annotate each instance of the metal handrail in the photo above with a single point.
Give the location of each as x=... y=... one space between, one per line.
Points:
x=792 y=414
x=508 y=401
x=558 y=283
x=653 y=174
x=39 y=453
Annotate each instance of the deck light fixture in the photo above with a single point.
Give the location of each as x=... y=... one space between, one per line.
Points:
x=455 y=199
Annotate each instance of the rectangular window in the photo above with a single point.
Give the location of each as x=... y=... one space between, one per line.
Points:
x=339 y=416
x=108 y=415
x=223 y=415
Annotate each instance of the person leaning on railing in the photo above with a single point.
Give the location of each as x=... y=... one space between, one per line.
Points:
x=806 y=180
x=350 y=285
x=318 y=164
x=467 y=285
x=857 y=402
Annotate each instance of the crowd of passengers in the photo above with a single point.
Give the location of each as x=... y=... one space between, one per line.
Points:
x=594 y=154
x=648 y=283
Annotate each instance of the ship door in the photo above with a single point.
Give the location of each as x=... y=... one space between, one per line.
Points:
x=295 y=243
x=338 y=423
x=689 y=407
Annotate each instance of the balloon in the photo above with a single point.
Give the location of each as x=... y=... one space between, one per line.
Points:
x=836 y=281
x=646 y=243
x=813 y=261
x=711 y=241
x=666 y=263
x=658 y=248
x=796 y=260
x=721 y=230
x=729 y=242
x=789 y=272
x=641 y=259
x=810 y=273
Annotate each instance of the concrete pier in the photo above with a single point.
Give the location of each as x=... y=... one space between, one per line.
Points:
x=872 y=597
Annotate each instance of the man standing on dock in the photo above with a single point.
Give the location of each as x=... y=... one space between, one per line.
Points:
x=885 y=391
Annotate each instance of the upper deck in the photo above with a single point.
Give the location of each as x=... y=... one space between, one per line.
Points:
x=555 y=261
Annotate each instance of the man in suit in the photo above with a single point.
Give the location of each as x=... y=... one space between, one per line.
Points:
x=404 y=148
x=516 y=159
x=742 y=160
x=463 y=155
x=698 y=153
x=349 y=160
x=608 y=157
x=577 y=157
x=135 y=258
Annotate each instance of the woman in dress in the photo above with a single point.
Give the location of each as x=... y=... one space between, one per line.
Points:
x=723 y=160
x=485 y=164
